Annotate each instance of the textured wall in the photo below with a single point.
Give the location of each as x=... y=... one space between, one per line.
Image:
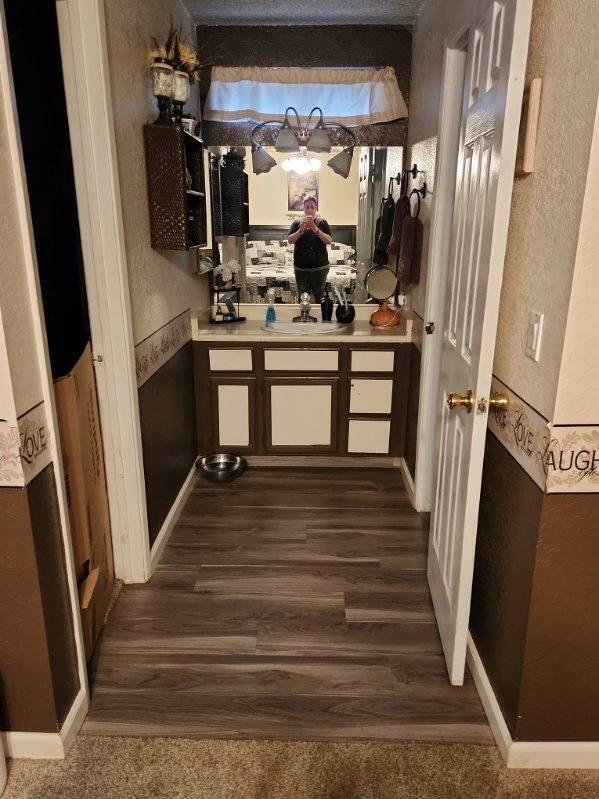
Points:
x=546 y=206
x=578 y=390
x=290 y=12
x=16 y=314
x=162 y=284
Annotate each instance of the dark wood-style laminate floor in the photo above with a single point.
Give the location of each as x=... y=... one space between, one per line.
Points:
x=292 y=603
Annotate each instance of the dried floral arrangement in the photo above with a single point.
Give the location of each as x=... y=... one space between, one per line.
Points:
x=176 y=52
x=166 y=51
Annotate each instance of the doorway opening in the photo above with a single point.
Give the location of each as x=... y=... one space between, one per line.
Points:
x=249 y=397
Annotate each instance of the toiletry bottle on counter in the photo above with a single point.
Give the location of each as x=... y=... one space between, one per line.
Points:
x=326 y=305
x=271 y=314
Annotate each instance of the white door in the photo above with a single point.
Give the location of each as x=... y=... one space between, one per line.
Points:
x=497 y=48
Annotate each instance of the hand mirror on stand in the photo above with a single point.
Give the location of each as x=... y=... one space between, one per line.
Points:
x=381 y=284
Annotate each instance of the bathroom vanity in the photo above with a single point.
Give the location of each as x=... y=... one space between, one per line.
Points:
x=263 y=393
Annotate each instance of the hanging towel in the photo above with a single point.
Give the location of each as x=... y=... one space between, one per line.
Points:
x=402 y=209
x=385 y=230
x=410 y=253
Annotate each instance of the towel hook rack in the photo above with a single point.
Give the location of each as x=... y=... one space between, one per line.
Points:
x=413 y=172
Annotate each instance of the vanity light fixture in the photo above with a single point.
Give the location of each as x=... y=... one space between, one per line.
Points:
x=288 y=139
x=341 y=163
x=299 y=139
x=262 y=162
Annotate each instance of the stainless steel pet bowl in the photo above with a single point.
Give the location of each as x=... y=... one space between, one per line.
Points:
x=221 y=467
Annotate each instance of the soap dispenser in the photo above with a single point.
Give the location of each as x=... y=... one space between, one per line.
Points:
x=271 y=314
x=326 y=304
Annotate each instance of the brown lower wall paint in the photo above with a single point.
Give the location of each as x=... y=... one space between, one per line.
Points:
x=508 y=523
x=559 y=695
x=38 y=670
x=49 y=550
x=534 y=615
x=412 y=411
x=168 y=433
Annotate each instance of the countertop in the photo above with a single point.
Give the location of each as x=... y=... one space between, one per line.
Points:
x=251 y=330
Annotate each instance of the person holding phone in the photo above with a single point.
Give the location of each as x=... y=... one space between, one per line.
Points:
x=310 y=237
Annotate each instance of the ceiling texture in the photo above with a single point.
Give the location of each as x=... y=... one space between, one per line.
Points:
x=296 y=12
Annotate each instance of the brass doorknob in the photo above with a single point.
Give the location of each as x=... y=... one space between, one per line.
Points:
x=499 y=401
x=461 y=401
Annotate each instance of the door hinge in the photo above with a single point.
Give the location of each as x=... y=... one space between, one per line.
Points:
x=429 y=328
x=98 y=358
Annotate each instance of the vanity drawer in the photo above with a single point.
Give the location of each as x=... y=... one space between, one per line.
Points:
x=230 y=360
x=370 y=396
x=369 y=436
x=372 y=360
x=301 y=360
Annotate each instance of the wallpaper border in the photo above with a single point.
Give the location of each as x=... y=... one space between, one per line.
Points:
x=24 y=448
x=155 y=350
x=561 y=459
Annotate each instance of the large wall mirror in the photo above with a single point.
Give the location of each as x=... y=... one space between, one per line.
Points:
x=275 y=200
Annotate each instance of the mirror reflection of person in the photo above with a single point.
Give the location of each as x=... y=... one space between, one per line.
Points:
x=310 y=237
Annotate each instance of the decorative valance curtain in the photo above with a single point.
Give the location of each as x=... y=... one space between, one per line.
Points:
x=350 y=96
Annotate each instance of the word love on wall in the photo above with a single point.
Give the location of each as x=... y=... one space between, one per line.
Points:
x=559 y=459
x=24 y=448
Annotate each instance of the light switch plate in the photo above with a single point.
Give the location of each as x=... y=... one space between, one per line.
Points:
x=534 y=335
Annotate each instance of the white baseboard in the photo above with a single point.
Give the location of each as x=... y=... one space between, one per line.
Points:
x=527 y=754
x=33 y=745
x=324 y=461
x=49 y=745
x=171 y=519
x=74 y=720
x=408 y=481
x=499 y=728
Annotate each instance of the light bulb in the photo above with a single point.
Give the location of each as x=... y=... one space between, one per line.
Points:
x=300 y=164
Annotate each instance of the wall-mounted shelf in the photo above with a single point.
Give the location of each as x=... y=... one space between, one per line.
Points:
x=175 y=158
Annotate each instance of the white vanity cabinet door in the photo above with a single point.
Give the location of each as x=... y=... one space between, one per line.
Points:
x=233 y=402
x=233 y=416
x=301 y=416
x=369 y=436
x=370 y=396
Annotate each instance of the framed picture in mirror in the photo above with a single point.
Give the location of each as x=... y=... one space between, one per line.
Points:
x=299 y=187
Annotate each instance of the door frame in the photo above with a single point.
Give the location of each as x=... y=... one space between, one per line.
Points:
x=450 y=115
x=22 y=743
x=83 y=47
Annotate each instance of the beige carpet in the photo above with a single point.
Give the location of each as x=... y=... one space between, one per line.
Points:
x=136 y=768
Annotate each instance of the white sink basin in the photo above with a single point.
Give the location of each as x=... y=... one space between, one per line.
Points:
x=303 y=328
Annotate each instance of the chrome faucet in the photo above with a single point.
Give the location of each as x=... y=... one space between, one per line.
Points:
x=304 y=308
